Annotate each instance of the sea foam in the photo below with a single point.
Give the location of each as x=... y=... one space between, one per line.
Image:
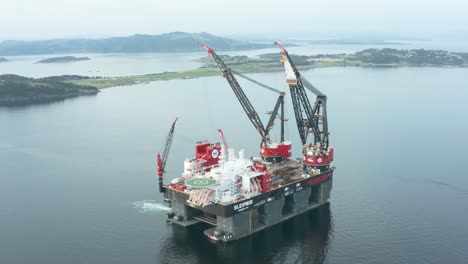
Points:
x=150 y=206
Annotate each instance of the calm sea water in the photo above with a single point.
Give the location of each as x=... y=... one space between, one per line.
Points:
x=78 y=185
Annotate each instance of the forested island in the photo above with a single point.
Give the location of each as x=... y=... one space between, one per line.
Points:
x=372 y=58
x=63 y=59
x=18 y=90
x=271 y=63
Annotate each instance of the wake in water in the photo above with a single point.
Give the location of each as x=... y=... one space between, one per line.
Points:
x=150 y=206
x=453 y=187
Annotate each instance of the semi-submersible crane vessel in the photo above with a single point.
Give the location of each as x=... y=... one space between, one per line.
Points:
x=239 y=196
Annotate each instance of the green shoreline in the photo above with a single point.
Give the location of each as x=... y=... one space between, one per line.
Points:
x=16 y=89
x=107 y=82
x=375 y=58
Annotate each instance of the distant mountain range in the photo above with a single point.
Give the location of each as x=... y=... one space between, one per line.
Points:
x=169 y=42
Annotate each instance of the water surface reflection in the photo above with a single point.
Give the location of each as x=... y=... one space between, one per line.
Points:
x=303 y=239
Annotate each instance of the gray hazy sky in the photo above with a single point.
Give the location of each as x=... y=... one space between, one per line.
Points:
x=39 y=19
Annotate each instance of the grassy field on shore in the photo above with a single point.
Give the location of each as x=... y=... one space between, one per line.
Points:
x=106 y=82
x=271 y=63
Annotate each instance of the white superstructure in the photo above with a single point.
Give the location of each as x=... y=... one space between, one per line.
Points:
x=223 y=183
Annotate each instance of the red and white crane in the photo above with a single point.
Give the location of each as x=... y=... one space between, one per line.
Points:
x=310 y=119
x=270 y=152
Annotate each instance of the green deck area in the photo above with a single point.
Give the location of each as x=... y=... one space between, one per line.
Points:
x=200 y=182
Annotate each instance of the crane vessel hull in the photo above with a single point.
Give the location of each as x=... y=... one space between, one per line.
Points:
x=239 y=196
x=291 y=193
